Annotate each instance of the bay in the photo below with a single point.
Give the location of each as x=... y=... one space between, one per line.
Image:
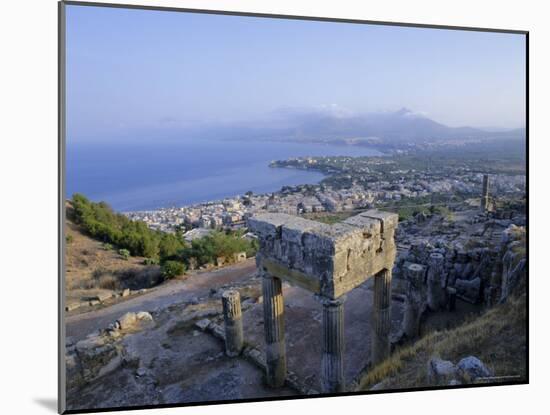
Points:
x=151 y=175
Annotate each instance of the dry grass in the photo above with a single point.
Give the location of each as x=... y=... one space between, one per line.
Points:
x=91 y=266
x=498 y=338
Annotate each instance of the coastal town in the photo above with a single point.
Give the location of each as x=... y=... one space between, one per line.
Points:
x=350 y=184
x=451 y=246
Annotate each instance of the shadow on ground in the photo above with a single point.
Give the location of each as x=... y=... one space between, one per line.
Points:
x=48 y=403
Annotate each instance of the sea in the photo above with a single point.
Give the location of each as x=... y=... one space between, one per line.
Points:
x=148 y=175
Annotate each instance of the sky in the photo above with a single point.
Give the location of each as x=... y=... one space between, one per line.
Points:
x=133 y=69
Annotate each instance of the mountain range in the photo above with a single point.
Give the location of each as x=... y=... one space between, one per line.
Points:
x=398 y=126
x=331 y=124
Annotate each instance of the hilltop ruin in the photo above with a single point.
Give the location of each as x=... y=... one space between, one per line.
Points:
x=329 y=261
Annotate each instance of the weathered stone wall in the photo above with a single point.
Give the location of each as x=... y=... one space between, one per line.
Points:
x=481 y=275
x=459 y=267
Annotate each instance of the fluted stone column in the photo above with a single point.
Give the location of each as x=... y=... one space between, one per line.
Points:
x=485 y=193
x=332 y=364
x=231 y=301
x=382 y=317
x=437 y=296
x=415 y=301
x=274 y=327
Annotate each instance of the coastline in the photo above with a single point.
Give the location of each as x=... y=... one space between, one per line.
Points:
x=189 y=172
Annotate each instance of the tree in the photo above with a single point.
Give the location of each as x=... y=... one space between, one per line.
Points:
x=149 y=246
x=169 y=245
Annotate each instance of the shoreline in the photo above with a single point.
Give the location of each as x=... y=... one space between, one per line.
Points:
x=188 y=173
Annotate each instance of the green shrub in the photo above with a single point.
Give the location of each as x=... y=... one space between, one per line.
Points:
x=124 y=253
x=171 y=269
x=102 y=223
x=69 y=239
x=150 y=261
x=135 y=238
x=218 y=244
x=107 y=246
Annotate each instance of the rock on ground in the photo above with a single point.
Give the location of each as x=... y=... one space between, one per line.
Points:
x=472 y=368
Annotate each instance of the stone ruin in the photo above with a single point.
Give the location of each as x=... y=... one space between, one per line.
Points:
x=329 y=261
x=484 y=204
x=431 y=277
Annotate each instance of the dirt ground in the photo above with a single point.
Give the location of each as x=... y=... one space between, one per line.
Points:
x=92 y=269
x=176 y=363
x=193 y=287
x=175 y=366
x=303 y=331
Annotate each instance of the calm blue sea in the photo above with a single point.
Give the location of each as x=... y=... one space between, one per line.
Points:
x=144 y=176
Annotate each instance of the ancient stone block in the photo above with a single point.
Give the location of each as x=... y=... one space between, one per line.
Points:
x=440 y=371
x=471 y=368
x=416 y=299
x=134 y=321
x=387 y=220
x=468 y=290
x=72 y=306
x=326 y=259
x=98 y=356
x=437 y=297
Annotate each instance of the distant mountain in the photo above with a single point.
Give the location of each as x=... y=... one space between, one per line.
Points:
x=398 y=126
x=332 y=123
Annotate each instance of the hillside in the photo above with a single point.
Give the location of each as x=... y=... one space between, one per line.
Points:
x=497 y=338
x=94 y=269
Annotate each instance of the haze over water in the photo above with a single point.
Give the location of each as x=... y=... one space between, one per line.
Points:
x=147 y=175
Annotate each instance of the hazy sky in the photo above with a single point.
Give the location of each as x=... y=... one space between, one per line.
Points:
x=132 y=69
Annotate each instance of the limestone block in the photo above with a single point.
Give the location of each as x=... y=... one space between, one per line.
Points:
x=387 y=220
x=367 y=224
x=267 y=225
x=144 y=316
x=72 y=306
x=325 y=259
x=104 y=296
x=127 y=321
x=203 y=324
x=468 y=290
x=471 y=368
x=98 y=356
x=134 y=321
x=440 y=371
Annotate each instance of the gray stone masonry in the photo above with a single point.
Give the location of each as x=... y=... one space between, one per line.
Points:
x=415 y=302
x=232 y=315
x=437 y=284
x=329 y=260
